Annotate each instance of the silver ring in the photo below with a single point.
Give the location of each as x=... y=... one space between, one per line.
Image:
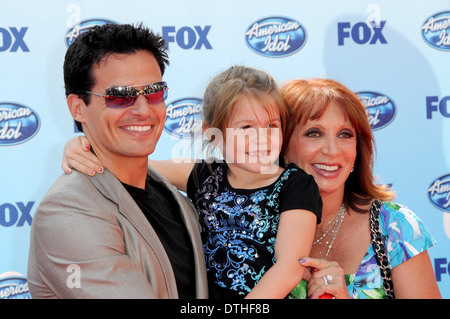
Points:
x=329 y=278
x=325 y=280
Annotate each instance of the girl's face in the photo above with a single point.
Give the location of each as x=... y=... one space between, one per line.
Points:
x=325 y=148
x=253 y=136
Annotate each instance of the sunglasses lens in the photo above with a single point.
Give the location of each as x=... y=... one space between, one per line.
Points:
x=119 y=101
x=157 y=97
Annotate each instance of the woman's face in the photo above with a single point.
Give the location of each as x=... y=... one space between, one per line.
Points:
x=325 y=148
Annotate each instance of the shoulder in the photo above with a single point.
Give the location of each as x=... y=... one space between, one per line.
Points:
x=69 y=188
x=74 y=198
x=294 y=176
x=203 y=170
x=293 y=171
x=74 y=206
x=400 y=217
x=299 y=191
x=405 y=234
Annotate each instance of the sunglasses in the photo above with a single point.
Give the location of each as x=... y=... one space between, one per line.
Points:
x=125 y=96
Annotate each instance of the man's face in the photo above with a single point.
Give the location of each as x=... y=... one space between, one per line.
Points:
x=132 y=131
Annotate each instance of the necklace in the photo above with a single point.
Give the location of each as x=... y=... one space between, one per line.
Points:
x=329 y=235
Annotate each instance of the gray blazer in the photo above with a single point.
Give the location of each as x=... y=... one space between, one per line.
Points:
x=89 y=239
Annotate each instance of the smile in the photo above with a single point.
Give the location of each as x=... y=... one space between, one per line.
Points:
x=258 y=154
x=328 y=168
x=137 y=128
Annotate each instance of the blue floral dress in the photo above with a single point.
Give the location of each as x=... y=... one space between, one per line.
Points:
x=239 y=226
x=404 y=236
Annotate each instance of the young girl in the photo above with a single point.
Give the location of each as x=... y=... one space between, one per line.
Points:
x=257 y=218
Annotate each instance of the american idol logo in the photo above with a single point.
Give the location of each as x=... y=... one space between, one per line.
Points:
x=13 y=286
x=379 y=107
x=18 y=123
x=276 y=37
x=82 y=27
x=184 y=117
x=436 y=31
x=439 y=193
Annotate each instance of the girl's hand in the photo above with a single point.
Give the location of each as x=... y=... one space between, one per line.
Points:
x=334 y=282
x=77 y=155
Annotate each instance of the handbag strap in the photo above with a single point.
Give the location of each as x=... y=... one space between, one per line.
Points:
x=380 y=252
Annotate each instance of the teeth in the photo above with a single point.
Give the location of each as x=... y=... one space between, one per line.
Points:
x=136 y=128
x=260 y=153
x=326 y=167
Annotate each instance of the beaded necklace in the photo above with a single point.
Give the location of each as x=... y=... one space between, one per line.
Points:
x=329 y=235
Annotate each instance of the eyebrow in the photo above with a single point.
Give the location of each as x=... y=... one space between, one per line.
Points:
x=248 y=121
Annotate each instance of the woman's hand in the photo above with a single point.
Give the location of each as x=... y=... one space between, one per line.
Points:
x=77 y=155
x=333 y=283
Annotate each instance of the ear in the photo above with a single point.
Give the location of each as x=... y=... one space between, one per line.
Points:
x=76 y=107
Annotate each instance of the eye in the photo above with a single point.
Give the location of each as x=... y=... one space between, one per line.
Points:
x=246 y=127
x=313 y=132
x=346 y=134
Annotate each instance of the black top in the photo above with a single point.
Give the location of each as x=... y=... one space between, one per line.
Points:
x=239 y=226
x=163 y=213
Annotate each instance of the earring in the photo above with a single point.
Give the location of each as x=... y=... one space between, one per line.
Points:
x=353 y=168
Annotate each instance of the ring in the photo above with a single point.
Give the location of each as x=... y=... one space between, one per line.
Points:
x=325 y=280
x=330 y=277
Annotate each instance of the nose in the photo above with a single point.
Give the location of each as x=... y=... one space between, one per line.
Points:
x=142 y=108
x=330 y=148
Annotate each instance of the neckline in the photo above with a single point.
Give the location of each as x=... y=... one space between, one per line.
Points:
x=252 y=190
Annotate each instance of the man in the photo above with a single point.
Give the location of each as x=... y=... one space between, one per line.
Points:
x=126 y=233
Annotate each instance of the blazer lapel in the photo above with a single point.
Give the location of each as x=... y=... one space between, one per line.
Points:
x=190 y=219
x=113 y=189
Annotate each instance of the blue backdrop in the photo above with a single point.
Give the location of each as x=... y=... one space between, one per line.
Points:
x=395 y=54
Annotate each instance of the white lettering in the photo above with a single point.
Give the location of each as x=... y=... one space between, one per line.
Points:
x=374 y=18
x=269 y=28
x=436 y=24
x=189 y=127
x=183 y=110
x=11 y=290
x=275 y=46
x=444 y=38
x=7 y=133
x=11 y=114
x=197 y=309
x=440 y=187
x=74 y=279
x=373 y=119
x=374 y=101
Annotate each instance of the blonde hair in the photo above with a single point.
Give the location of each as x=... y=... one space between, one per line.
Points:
x=308 y=100
x=235 y=83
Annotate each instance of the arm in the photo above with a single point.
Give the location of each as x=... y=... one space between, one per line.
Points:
x=176 y=171
x=337 y=287
x=415 y=279
x=294 y=239
x=77 y=155
x=81 y=253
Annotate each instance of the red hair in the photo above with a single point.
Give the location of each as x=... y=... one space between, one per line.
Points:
x=307 y=100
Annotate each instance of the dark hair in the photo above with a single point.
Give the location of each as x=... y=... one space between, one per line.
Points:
x=99 y=42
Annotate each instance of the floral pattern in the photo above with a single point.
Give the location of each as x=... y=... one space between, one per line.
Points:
x=238 y=230
x=404 y=236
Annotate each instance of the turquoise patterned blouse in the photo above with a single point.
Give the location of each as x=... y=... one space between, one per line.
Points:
x=404 y=236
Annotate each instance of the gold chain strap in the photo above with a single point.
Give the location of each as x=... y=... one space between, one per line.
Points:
x=378 y=246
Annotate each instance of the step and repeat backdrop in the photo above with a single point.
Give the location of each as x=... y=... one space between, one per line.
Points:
x=394 y=54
